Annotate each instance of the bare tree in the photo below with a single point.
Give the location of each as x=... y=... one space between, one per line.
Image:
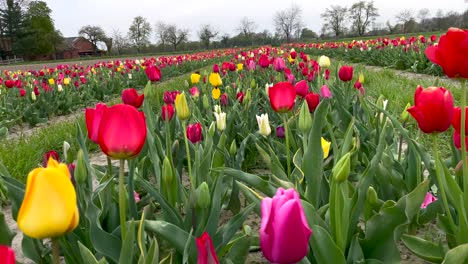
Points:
x=175 y=36
x=404 y=17
x=94 y=34
x=206 y=33
x=423 y=14
x=335 y=18
x=139 y=32
x=288 y=22
x=246 y=27
x=362 y=15
x=120 y=42
x=160 y=30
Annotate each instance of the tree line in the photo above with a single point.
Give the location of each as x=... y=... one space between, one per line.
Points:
x=28 y=28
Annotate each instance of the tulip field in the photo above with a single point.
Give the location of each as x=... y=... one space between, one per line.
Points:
x=268 y=155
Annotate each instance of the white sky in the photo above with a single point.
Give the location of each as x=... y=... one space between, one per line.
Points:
x=71 y=15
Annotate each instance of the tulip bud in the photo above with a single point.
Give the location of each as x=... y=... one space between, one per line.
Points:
x=167 y=176
x=66 y=147
x=305 y=120
x=253 y=84
x=206 y=103
x=81 y=173
x=372 y=196
x=248 y=96
x=186 y=84
x=405 y=114
x=33 y=96
x=182 y=109
x=361 y=78
x=233 y=148
x=203 y=196
x=211 y=129
x=342 y=168
x=380 y=101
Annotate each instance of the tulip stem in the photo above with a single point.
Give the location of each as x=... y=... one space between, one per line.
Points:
x=463 y=142
x=439 y=180
x=122 y=200
x=55 y=251
x=187 y=149
x=286 y=134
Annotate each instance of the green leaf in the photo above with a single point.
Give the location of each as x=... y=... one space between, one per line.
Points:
x=423 y=248
x=252 y=180
x=324 y=248
x=355 y=254
x=126 y=253
x=153 y=253
x=86 y=255
x=6 y=235
x=227 y=232
x=457 y=255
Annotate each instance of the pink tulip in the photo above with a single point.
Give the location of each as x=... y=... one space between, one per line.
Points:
x=428 y=200
x=325 y=92
x=284 y=231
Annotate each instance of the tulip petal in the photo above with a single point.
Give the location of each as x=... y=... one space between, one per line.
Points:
x=431 y=53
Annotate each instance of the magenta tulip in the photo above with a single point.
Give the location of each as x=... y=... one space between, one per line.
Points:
x=206 y=251
x=194 y=133
x=284 y=231
x=153 y=73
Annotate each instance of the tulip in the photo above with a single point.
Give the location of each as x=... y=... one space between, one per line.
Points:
x=215 y=80
x=66 y=81
x=220 y=121
x=22 y=92
x=49 y=207
x=167 y=112
x=122 y=132
x=282 y=96
x=457 y=140
x=206 y=251
x=194 y=92
x=313 y=101
x=451 y=53
x=153 y=73
x=49 y=154
x=327 y=74
x=51 y=81
x=302 y=88
x=130 y=97
x=224 y=99
x=325 y=147
x=280 y=132
x=324 y=61
x=240 y=97
x=263 y=125
x=136 y=196
x=194 y=132
x=240 y=66
x=216 y=93
x=9 y=83
x=263 y=61
x=433 y=109
x=216 y=68
x=345 y=73
x=456 y=121
x=195 y=78
x=278 y=64
x=7 y=255
x=93 y=120
x=325 y=92
x=181 y=106
x=284 y=231
x=428 y=200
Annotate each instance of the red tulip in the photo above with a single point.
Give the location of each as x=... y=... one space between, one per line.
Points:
x=7 y=255
x=93 y=120
x=456 y=121
x=302 y=89
x=206 y=251
x=457 y=140
x=312 y=100
x=122 y=132
x=153 y=73
x=130 y=97
x=451 y=53
x=278 y=64
x=282 y=96
x=216 y=68
x=284 y=231
x=264 y=62
x=9 y=83
x=47 y=155
x=433 y=109
x=224 y=99
x=240 y=97
x=345 y=73
x=293 y=55
x=194 y=132
x=167 y=112
x=327 y=74
x=22 y=92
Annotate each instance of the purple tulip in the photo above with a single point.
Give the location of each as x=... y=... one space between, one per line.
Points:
x=280 y=131
x=284 y=232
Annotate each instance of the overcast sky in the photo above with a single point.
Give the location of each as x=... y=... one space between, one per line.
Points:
x=71 y=15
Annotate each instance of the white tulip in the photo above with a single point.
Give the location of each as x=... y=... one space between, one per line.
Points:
x=263 y=125
x=220 y=121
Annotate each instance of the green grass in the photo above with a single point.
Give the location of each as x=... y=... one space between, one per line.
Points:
x=25 y=153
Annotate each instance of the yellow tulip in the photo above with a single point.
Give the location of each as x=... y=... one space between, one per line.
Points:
x=361 y=78
x=325 y=148
x=66 y=81
x=240 y=66
x=195 y=78
x=215 y=79
x=216 y=93
x=51 y=81
x=181 y=106
x=290 y=59
x=49 y=207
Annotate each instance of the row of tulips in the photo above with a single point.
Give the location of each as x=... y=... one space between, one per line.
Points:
x=402 y=53
x=332 y=185
x=33 y=96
